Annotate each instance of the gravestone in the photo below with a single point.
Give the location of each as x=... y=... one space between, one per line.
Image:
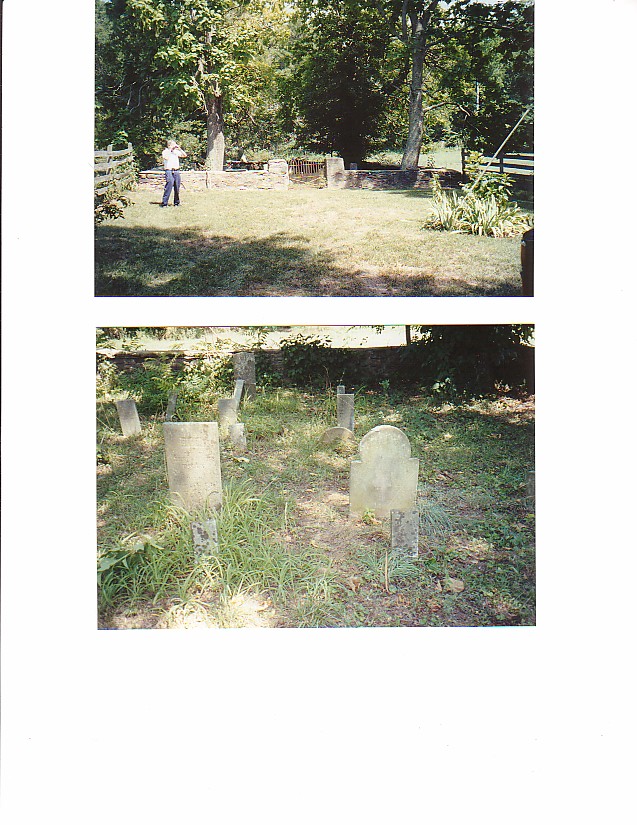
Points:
x=245 y=370
x=204 y=537
x=345 y=411
x=337 y=435
x=193 y=463
x=238 y=393
x=385 y=478
x=404 y=532
x=227 y=414
x=340 y=389
x=237 y=434
x=128 y=417
x=171 y=407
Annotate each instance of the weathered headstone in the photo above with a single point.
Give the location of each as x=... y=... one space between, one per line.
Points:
x=204 y=537
x=193 y=463
x=386 y=477
x=345 y=410
x=245 y=370
x=227 y=414
x=337 y=435
x=237 y=434
x=171 y=407
x=238 y=392
x=340 y=389
x=404 y=532
x=128 y=417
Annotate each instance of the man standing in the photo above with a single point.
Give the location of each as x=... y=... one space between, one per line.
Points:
x=170 y=156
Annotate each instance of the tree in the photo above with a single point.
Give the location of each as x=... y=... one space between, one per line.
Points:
x=184 y=59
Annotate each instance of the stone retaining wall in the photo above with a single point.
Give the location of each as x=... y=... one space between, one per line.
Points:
x=274 y=176
x=340 y=178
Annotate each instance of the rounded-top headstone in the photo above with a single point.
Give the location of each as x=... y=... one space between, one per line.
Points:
x=337 y=435
x=385 y=437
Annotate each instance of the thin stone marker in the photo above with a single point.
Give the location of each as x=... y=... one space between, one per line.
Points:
x=237 y=435
x=128 y=417
x=385 y=478
x=204 y=537
x=245 y=370
x=171 y=407
x=404 y=532
x=227 y=414
x=238 y=392
x=193 y=463
x=345 y=411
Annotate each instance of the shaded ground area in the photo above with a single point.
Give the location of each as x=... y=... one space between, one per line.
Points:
x=303 y=242
x=476 y=564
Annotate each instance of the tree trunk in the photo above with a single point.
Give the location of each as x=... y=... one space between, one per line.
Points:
x=411 y=153
x=216 y=144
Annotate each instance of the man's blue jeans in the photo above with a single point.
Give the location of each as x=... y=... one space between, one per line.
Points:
x=173 y=181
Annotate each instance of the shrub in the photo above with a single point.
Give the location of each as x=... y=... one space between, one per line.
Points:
x=111 y=203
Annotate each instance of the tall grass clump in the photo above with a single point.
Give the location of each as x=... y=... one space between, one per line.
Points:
x=483 y=209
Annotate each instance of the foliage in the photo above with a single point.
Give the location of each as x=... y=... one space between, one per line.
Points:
x=110 y=204
x=484 y=210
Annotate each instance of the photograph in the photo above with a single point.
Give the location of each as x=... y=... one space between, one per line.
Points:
x=342 y=148
x=315 y=477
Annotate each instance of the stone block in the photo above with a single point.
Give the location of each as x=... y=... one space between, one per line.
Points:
x=404 y=532
x=345 y=410
x=385 y=478
x=227 y=414
x=337 y=435
x=204 y=537
x=128 y=417
x=193 y=463
x=237 y=435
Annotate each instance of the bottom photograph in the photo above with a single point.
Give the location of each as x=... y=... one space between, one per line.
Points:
x=315 y=477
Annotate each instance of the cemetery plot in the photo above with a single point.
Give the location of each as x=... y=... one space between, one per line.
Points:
x=280 y=547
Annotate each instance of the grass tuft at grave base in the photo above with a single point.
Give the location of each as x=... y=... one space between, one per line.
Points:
x=289 y=554
x=301 y=242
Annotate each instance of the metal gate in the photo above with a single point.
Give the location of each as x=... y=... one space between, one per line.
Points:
x=309 y=172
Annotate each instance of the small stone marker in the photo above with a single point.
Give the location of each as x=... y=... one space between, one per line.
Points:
x=245 y=370
x=345 y=411
x=204 y=537
x=227 y=414
x=340 y=389
x=193 y=463
x=238 y=393
x=237 y=434
x=171 y=407
x=404 y=532
x=386 y=477
x=337 y=435
x=128 y=417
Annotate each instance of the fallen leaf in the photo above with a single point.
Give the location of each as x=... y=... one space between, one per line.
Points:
x=432 y=604
x=354 y=582
x=454 y=585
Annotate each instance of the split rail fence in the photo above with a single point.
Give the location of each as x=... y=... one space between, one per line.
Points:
x=113 y=166
x=517 y=164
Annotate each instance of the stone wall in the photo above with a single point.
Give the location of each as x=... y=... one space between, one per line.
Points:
x=340 y=178
x=274 y=176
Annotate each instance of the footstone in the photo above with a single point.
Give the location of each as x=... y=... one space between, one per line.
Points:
x=386 y=477
x=204 y=537
x=245 y=370
x=345 y=411
x=193 y=463
x=238 y=392
x=128 y=417
x=171 y=407
x=237 y=435
x=227 y=414
x=404 y=532
x=337 y=435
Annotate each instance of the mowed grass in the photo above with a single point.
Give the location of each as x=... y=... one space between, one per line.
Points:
x=302 y=242
x=289 y=554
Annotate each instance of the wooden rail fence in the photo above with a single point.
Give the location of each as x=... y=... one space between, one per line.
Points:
x=113 y=166
x=516 y=164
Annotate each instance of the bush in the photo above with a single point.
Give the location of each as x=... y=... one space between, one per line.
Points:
x=110 y=204
x=484 y=208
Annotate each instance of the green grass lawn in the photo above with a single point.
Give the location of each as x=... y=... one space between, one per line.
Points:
x=303 y=242
x=289 y=554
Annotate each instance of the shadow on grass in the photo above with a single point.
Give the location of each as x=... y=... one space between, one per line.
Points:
x=185 y=262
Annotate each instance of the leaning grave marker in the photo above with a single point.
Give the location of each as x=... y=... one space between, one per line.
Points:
x=227 y=414
x=193 y=463
x=385 y=478
x=128 y=417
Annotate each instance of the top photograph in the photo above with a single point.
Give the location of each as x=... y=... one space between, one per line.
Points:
x=289 y=148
